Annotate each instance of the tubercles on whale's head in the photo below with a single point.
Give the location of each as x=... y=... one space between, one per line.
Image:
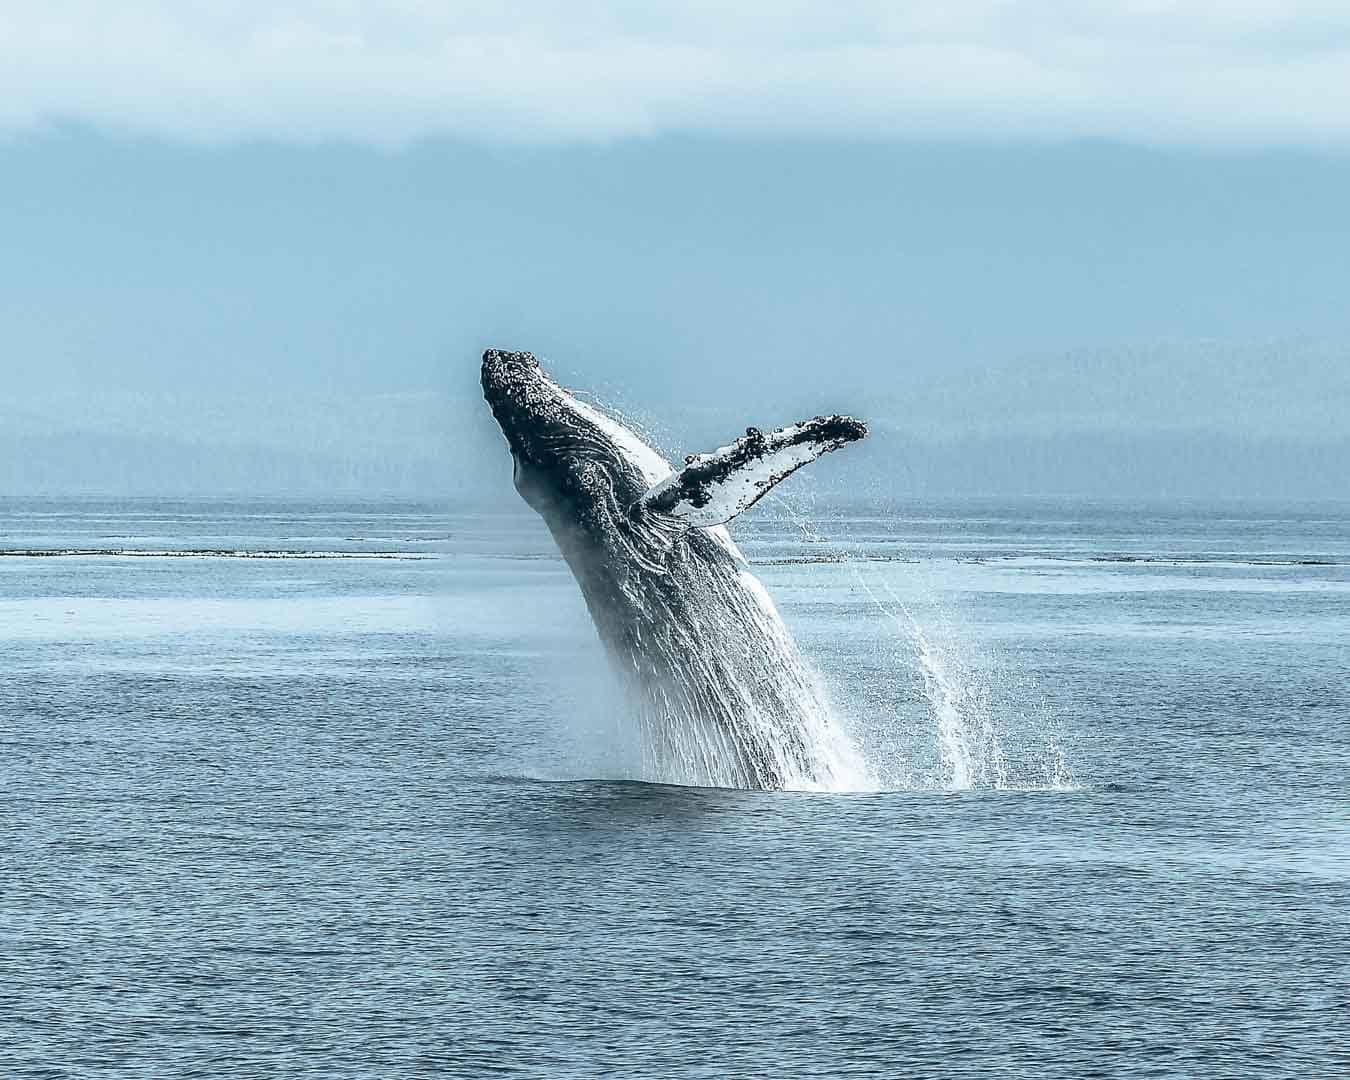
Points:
x=567 y=458
x=526 y=403
x=510 y=381
x=500 y=366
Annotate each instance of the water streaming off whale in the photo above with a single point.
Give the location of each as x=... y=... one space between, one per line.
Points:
x=724 y=713
x=983 y=725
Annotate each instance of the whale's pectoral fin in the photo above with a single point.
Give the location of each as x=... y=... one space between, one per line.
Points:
x=713 y=488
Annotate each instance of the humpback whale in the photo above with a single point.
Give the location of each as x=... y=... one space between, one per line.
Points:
x=723 y=696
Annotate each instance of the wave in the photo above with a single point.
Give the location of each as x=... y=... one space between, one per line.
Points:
x=197 y=553
x=1188 y=560
x=1060 y=560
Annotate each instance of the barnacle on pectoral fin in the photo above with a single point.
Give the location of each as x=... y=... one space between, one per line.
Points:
x=713 y=488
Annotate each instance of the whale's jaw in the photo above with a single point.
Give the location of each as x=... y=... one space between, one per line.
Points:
x=577 y=468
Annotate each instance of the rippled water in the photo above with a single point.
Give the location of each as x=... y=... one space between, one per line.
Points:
x=354 y=816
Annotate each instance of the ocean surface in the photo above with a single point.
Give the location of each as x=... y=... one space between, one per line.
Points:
x=304 y=789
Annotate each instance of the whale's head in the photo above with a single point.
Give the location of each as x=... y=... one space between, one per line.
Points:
x=576 y=466
x=592 y=479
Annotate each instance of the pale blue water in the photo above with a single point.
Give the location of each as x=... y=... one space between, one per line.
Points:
x=374 y=817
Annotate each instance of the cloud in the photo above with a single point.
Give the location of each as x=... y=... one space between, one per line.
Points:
x=1247 y=72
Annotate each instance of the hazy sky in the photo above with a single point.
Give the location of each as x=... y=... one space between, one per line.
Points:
x=810 y=205
x=1188 y=71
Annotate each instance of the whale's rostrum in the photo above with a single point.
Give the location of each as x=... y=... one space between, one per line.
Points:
x=719 y=687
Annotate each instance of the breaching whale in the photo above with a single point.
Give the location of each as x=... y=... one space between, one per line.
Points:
x=722 y=693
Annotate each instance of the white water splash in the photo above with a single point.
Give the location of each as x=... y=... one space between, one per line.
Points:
x=986 y=727
x=989 y=727
x=727 y=716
